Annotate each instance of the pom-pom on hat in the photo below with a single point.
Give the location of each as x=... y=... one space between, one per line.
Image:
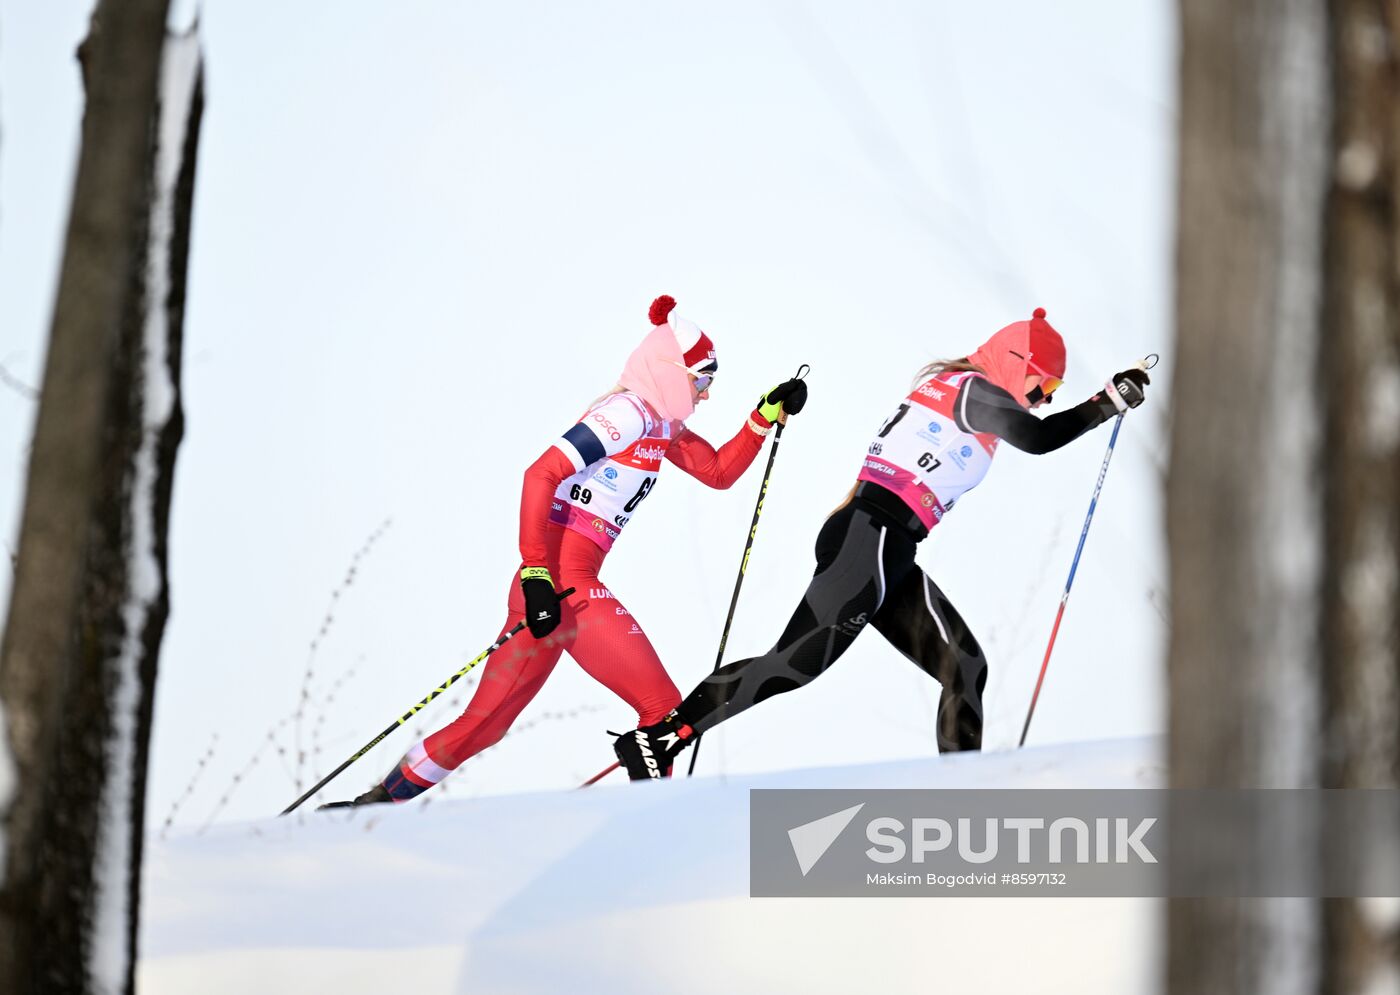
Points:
x=661 y=309
x=1046 y=347
x=696 y=348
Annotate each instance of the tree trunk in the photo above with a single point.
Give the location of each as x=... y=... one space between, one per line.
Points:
x=1362 y=471
x=1284 y=501
x=1243 y=503
x=89 y=602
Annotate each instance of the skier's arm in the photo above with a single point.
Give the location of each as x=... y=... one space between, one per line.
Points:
x=542 y=479
x=603 y=432
x=719 y=468
x=985 y=407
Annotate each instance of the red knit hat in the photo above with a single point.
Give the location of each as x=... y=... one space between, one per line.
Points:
x=1047 y=349
x=1018 y=350
x=695 y=345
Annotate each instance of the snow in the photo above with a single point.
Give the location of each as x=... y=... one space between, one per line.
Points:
x=611 y=889
x=108 y=965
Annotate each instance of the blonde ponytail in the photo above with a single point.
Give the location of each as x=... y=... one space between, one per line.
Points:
x=616 y=388
x=947 y=366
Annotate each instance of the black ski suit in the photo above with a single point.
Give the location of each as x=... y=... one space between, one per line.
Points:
x=866 y=575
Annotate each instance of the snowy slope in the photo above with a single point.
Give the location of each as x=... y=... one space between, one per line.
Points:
x=613 y=889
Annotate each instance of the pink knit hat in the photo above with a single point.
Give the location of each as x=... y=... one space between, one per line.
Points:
x=656 y=370
x=696 y=348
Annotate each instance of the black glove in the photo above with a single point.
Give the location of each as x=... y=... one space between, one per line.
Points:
x=1124 y=391
x=541 y=601
x=791 y=394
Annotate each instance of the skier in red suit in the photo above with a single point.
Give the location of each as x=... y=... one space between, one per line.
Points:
x=576 y=500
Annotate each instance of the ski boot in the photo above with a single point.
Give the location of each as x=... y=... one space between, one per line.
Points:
x=373 y=796
x=647 y=753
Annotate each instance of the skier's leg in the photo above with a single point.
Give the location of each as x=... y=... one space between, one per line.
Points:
x=612 y=648
x=858 y=558
x=509 y=680
x=923 y=625
x=507 y=685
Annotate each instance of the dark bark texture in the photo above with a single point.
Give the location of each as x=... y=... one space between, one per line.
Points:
x=68 y=614
x=1361 y=366
x=1243 y=511
x=1284 y=495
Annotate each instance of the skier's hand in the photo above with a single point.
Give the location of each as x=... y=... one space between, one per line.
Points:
x=542 y=611
x=1124 y=391
x=787 y=398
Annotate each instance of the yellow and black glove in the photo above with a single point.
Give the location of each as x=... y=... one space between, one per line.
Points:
x=789 y=396
x=542 y=611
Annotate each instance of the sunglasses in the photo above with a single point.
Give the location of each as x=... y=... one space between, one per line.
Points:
x=1048 y=382
x=702 y=379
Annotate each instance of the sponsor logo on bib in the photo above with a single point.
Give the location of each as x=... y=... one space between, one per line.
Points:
x=608 y=426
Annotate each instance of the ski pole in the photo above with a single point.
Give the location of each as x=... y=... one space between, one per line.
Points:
x=739 y=581
x=802 y=371
x=743 y=568
x=744 y=563
x=1145 y=364
x=415 y=709
x=601 y=774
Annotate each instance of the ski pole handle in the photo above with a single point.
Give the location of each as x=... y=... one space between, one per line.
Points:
x=801 y=374
x=507 y=637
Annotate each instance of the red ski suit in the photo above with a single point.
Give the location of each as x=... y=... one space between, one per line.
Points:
x=576 y=499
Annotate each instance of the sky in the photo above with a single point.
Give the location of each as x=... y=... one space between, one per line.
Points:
x=426 y=236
